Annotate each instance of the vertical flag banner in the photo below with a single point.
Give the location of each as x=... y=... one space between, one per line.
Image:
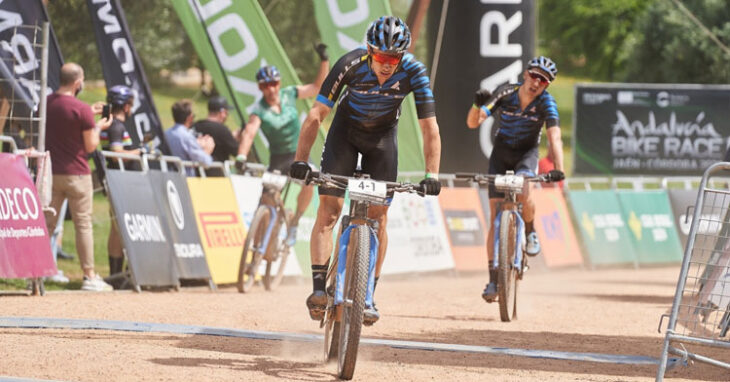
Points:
x=17 y=51
x=234 y=39
x=121 y=66
x=478 y=44
x=342 y=26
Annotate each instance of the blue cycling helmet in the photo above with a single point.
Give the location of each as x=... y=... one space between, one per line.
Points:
x=268 y=74
x=546 y=65
x=119 y=95
x=389 y=34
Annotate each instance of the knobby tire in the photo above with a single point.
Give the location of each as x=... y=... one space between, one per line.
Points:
x=249 y=261
x=507 y=275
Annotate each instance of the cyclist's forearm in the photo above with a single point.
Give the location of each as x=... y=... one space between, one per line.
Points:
x=556 y=146
x=246 y=141
x=307 y=135
x=475 y=117
x=431 y=144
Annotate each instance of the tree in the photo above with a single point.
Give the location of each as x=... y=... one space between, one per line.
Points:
x=672 y=48
x=587 y=37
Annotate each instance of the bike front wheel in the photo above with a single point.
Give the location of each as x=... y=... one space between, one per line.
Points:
x=507 y=275
x=275 y=269
x=252 y=251
x=356 y=283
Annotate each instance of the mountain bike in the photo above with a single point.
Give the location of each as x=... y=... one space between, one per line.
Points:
x=351 y=275
x=262 y=241
x=509 y=235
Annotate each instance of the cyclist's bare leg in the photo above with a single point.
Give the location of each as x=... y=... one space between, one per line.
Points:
x=528 y=215
x=320 y=250
x=490 y=291
x=303 y=200
x=321 y=240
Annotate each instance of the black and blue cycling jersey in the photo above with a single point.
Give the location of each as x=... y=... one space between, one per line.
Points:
x=369 y=105
x=517 y=128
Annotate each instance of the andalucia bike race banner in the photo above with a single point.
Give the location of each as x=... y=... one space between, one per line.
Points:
x=478 y=44
x=642 y=129
x=122 y=66
x=17 y=51
x=342 y=26
x=234 y=39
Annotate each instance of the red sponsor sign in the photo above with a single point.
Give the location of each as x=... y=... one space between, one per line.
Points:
x=24 y=244
x=221 y=229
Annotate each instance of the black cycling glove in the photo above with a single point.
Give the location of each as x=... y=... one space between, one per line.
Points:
x=555 y=176
x=431 y=186
x=481 y=97
x=300 y=170
x=322 y=51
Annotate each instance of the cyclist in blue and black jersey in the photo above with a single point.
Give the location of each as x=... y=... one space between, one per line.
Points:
x=520 y=111
x=377 y=78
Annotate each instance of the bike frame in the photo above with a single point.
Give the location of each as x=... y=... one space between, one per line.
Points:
x=511 y=209
x=342 y=256
x=276 y=210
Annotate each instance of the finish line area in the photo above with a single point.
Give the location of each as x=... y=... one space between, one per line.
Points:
x=146 y=327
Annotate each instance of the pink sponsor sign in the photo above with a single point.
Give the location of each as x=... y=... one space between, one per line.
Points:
x=24 y=244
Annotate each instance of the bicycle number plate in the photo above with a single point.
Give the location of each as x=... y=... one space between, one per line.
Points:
x=367 y=190
x=514 y=183
x=270 y=179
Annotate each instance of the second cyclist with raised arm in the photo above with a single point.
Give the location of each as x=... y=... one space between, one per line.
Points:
x=520 y=111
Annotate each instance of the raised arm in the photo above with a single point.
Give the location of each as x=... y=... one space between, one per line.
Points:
x=311 y=90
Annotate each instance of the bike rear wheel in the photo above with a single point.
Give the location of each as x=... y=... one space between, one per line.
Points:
x=251 y=255
x=507 y=275
x=356 y=282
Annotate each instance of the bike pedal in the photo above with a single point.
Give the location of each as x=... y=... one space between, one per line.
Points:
x=489 y=299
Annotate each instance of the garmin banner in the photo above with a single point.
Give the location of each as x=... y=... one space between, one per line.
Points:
x=122 y=66
x=24 y=242
x=646 y=129
x=147 y=240
x=173 y=197
x=234 y=39
x=482 y=44
x=342 y=26
x=17 y=51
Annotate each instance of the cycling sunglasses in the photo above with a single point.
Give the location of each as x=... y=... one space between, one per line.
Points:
x=268 y=84
x=382 y=58
x=539 y=77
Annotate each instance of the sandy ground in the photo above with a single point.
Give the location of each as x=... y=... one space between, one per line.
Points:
x=606 y=311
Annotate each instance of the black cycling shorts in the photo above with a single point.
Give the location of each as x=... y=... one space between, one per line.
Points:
x=505 y=158
x=339 y=156
x=281 y=162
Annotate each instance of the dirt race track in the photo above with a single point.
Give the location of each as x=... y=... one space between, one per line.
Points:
x=606 y=311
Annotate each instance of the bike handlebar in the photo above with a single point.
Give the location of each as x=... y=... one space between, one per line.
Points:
x=340 y=182
x=489 y=178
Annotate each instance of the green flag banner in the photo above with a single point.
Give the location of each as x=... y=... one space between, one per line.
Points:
x=342 y=25
x=604 y=232
x=234 y=39
x=651 y=224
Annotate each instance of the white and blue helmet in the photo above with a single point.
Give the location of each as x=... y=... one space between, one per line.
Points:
x=546 y=65
x=389 y=34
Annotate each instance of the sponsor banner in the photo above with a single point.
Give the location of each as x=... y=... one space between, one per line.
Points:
x=467 y=229
x=234 y=39
x=173 y=197
x=147 y=240
x=555 y=229
x=122 y=66
x=642 y=129
x=342 y=25
x=220 y=225
x=417 y=239
x=24 y=242
x=18 y=53
x=603 y=229
x=248 y=192
x=487 y=44
x=650 y=221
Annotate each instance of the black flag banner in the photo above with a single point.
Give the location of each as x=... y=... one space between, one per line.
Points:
x=20 y=52
x=122 y=66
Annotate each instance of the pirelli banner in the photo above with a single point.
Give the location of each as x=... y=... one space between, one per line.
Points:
x=642 y=129
x=146 y=237
x=173 y=199
x=221 y=228
x=478 y=44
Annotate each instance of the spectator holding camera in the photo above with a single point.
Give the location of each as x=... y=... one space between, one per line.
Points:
x=71 y=134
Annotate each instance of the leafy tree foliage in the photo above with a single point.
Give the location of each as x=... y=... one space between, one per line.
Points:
x=670 y=47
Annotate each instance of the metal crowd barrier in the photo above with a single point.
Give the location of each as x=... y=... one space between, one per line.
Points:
x=700 y=313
